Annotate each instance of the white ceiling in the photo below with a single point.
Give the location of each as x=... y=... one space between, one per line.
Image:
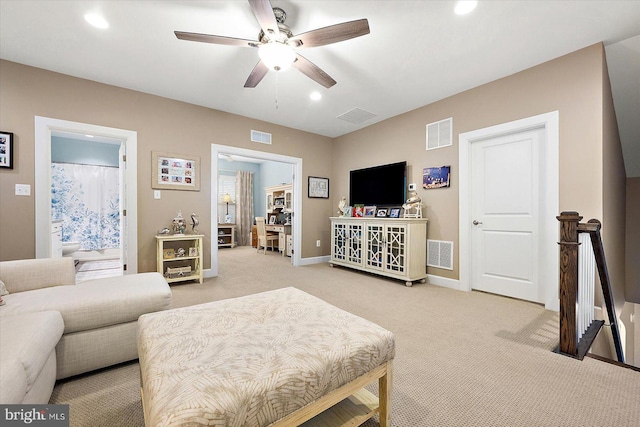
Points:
x=418 y=52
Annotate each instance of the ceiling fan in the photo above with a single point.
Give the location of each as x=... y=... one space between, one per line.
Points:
x=276 y=43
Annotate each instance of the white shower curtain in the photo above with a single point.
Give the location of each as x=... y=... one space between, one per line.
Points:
x=86 y=199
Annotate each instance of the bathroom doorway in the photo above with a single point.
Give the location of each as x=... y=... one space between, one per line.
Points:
x=87 y=153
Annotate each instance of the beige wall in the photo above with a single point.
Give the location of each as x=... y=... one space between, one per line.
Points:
x=163 y=125
x=632 y=279
x=571 y=84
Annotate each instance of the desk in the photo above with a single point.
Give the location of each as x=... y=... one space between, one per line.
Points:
x=284 y=234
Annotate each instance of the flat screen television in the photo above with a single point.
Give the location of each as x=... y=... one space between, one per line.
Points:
x=383 y=185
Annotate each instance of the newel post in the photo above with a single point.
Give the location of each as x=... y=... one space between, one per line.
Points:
x=568 y=280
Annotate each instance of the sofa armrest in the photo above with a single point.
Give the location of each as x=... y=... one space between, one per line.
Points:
x=29 y=274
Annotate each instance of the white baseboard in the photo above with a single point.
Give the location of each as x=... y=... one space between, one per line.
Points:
x=444 y=282
x=314 y=260
x=207 y=273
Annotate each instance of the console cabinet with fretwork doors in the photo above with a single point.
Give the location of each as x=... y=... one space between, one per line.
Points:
x=392 y=247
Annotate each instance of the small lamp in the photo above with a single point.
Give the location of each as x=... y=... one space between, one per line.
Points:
x=227 y=200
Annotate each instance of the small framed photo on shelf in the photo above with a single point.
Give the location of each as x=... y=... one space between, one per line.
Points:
x=394 y=213
x=318 y=187
x=169 y=253
x=348 y=211
x=382 y=213
x=369 y=211
x=272 y=219
x=6 y=150
x=358 y=211
x=193 y=251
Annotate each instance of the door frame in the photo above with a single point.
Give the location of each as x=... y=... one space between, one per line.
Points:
x=549 y=208
x=296 y=162
x=43 y=128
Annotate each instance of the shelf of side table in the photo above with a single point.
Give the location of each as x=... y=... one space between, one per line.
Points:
x=185 y=241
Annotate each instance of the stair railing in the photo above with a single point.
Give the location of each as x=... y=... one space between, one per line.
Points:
x=580 y=248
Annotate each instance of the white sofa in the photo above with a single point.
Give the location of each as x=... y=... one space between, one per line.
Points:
x=51 y=328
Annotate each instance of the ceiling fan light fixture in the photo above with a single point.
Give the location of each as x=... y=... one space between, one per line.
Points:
x=276 y=56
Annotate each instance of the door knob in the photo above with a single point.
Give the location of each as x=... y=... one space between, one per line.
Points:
x=476 y=222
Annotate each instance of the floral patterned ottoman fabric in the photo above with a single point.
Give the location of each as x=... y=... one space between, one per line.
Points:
x=252 y=360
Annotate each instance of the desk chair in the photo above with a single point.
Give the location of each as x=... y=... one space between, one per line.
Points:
x=263 y=237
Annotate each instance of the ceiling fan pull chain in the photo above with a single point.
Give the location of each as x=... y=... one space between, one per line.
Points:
x=277 y=89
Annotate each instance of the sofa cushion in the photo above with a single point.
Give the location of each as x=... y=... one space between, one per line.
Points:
x=96 y=303
x=13 y=382
x=30 y=339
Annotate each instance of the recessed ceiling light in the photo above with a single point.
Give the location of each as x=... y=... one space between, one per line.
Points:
x=89 y=136
x=316 y=96
x=96 y=20
x=465 y=6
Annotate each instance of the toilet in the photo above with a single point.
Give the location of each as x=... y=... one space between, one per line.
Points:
x=69 y=247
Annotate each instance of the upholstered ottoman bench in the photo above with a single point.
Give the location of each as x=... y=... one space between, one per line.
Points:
x=278 y=358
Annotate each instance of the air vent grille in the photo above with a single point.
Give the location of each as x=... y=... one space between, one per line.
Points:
x=440 y=254
x=261 y=137
x=356 y=116
x=439 y=134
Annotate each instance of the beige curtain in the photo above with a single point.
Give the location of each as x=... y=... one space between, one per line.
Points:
x=244 y=207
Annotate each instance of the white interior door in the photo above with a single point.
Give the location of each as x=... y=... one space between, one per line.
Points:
x=505 y=213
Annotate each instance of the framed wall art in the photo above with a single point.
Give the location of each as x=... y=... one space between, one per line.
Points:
x=436 y=177
x=6 y=150
x=318 y=187
x=171 y=171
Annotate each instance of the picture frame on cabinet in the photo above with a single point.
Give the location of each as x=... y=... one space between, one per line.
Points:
x=394 y=213
x=6 y=150
x=358 y=211
x=381 y=213
x=193 y=251
x=369 y=211
x=169 y=253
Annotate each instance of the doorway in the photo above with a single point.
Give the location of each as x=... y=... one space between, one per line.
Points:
x=294 y=162
x=509 y=189
x=127 y=227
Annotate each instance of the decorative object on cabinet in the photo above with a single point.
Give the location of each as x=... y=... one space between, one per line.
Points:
x=436 y=177
x=413 y=206
x=164 y=230
x=182 y=268
x=392 y=247
x=394 y=213
x=172 y=171
x=369 y=211
x=195 y=222
x=318 y=187
x=193 y=251
x=381 y=213
x=6 y=150
x=180 y=252
x=179 y=224
x=226 y=235
x=272 y=219
x=342 y=204
x=358 y=211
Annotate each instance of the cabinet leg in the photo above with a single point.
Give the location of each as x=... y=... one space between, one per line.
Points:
x=409 y=283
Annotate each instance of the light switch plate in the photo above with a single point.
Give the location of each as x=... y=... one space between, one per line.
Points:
x=23 y=190
x=156 y=194
x=412 y=186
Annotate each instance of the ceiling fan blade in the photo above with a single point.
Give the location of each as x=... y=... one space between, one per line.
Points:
x=208 y=38
x=257 y=74
x=312 y=71
x=333 y=33
x=264 y=14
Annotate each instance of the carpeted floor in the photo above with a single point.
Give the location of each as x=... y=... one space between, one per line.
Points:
x=462 y=358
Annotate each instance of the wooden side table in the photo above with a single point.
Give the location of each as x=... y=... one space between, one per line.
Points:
x=226 y=235
x=175 y=267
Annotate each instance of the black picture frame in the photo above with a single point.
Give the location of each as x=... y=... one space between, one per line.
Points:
x=318 y=187
x=6 y=150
